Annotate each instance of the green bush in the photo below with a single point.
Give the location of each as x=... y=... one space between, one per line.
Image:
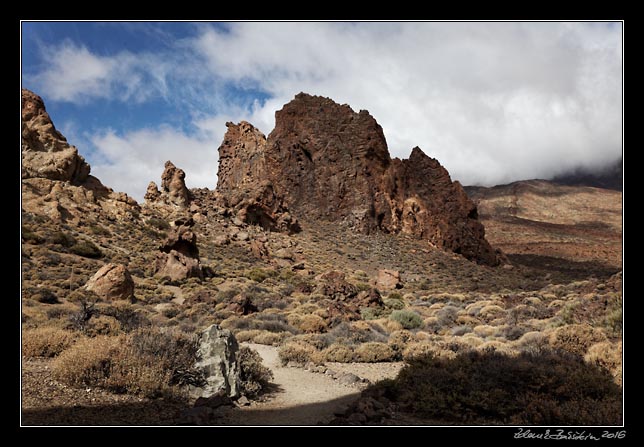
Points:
x=254 y=375
x=552 y=388
x=394 y=303
x=407 y=318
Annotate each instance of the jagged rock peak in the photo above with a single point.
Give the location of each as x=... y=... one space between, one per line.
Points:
x=45 y=151
x=173 y=188
x=325 y=161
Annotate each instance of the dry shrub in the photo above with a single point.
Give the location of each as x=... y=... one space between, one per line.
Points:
x=390 y=325
x=103 y=325
x=496 y=346
x=338 y=353
x=312 y=324
x=297 y=352
x=247 y=336
x=46 y=341
x=88 y=362
x=147 y=362
x=576 y=338
x=271 y=338
x=375 y=352
x=484 y=330
x=533 y=342
x=420 y=349
x=254 y=375
x=399 y=339
x=491 y=312
x=609 y=356
x=493 y=388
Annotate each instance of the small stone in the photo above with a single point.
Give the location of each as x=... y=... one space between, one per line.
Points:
x=243 y=236
x=348 y=379
x=243 y=401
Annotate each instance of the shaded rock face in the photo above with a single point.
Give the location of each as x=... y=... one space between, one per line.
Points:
x=112 y=282
x=55 y=178
x=242 y=185
x=45 y=151
x=173 y=188
x=218 y=364
x=179 y=256
x=325 y=161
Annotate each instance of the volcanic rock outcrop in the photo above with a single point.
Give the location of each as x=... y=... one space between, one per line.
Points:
x=112 y=282
x=242 y=184
x=325 y=161
x=56 y=180
x=179 y=256
x=173 y=188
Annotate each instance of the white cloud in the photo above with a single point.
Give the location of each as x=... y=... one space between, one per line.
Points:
x=493 y=102
x=129 y=162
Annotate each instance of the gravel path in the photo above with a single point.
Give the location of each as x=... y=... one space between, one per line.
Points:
x=301 y=397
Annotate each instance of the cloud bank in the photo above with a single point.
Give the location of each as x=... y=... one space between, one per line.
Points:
x=493 y=102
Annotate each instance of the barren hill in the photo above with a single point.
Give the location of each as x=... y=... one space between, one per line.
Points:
x=533 y=219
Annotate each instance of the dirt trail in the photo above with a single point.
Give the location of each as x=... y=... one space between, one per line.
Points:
x=301 y=397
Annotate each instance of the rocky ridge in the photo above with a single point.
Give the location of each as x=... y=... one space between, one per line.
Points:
x=325 y=161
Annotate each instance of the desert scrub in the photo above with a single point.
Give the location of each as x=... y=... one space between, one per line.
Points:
x=338 y=353
x=407 y=318
x=86 y=249
x=576 y=338
x=609 y=356
x=46 y=341
x=297 y=352
x=399 y=339
x=419 y=349
x=254 y=376
x=473 y=387
x=312 y=324
x=147 y=362
x=373 y=352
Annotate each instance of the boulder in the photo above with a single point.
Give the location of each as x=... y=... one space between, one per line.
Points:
x=388 y=279
x=179 y=256
x=112 y=282
x=219 y=365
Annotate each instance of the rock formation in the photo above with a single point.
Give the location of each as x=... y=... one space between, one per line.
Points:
x=179 y=256
x=112 y=282
x=173 y=188
x=242 y=185
x=45 y=151
x=56 y=180
x=218 y=364
x=388 y=279
x=325 y=161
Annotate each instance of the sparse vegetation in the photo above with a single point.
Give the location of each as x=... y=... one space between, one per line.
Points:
x=46 y=341
x=407 y=318
x=255 y=377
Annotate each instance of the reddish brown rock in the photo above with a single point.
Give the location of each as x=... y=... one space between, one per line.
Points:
x=388 y=279
x=112 y=282
x=242 y=305
x=242 y=184
x=325 y=161
x=179 y=256
x=333 y=285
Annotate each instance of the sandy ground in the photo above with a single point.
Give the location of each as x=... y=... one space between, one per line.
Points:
x=302 y=397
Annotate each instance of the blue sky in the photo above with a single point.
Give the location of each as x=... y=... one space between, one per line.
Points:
x=494 y=102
